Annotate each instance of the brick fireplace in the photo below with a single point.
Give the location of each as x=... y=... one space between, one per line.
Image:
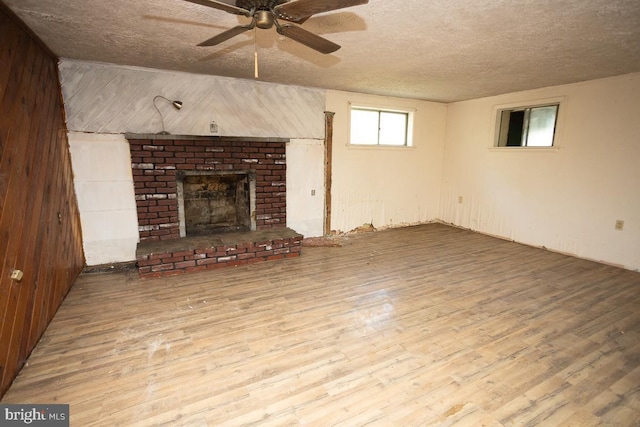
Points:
x=191 y=188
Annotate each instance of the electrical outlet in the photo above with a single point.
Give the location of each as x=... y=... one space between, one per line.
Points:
x=459 y=199
x=313 y=192
x=619 y=224
x=213 y=127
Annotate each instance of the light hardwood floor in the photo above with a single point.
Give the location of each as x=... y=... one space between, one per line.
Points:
x=419 y=326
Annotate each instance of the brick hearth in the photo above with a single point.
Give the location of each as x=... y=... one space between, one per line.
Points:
x=171 y=257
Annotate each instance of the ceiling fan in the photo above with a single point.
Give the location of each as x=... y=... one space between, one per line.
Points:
x=264 y=14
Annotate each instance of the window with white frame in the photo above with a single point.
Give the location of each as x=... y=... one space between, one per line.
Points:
x=527 y=126
x=380 y=127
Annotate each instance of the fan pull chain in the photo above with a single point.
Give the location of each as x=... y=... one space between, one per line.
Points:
x=255 y=53
x=255 y=60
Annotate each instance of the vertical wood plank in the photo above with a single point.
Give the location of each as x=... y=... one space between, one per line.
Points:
x=36 y=183
x=328 y=169
x=10 y=219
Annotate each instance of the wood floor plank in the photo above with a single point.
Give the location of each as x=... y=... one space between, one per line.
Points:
x=424 y=325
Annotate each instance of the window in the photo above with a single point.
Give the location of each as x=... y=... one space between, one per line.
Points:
x=533 y=126
x=371 y=126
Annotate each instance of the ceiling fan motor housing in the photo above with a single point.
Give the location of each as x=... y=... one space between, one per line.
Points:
x=263 y=15
x=258 y=4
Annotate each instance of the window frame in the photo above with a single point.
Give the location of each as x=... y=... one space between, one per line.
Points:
x=408 y=131
x=560 y=102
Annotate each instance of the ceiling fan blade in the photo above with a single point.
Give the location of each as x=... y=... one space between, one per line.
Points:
x=298 y=11
x=307 y=38
x=226 y=35
x=222 y=6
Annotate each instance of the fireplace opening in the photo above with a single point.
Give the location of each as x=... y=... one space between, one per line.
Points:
x=217 y=202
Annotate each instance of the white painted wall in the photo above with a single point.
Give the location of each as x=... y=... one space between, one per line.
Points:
x=382 y=185
x=566 y=199
x=104 y=188
x=305 y=174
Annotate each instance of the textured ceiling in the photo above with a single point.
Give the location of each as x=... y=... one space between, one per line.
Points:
x=440 y=50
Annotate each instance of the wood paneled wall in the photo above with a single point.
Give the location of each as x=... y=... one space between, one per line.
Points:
x=39 y=221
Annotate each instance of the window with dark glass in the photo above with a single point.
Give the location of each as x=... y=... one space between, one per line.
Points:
x=527 y=126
